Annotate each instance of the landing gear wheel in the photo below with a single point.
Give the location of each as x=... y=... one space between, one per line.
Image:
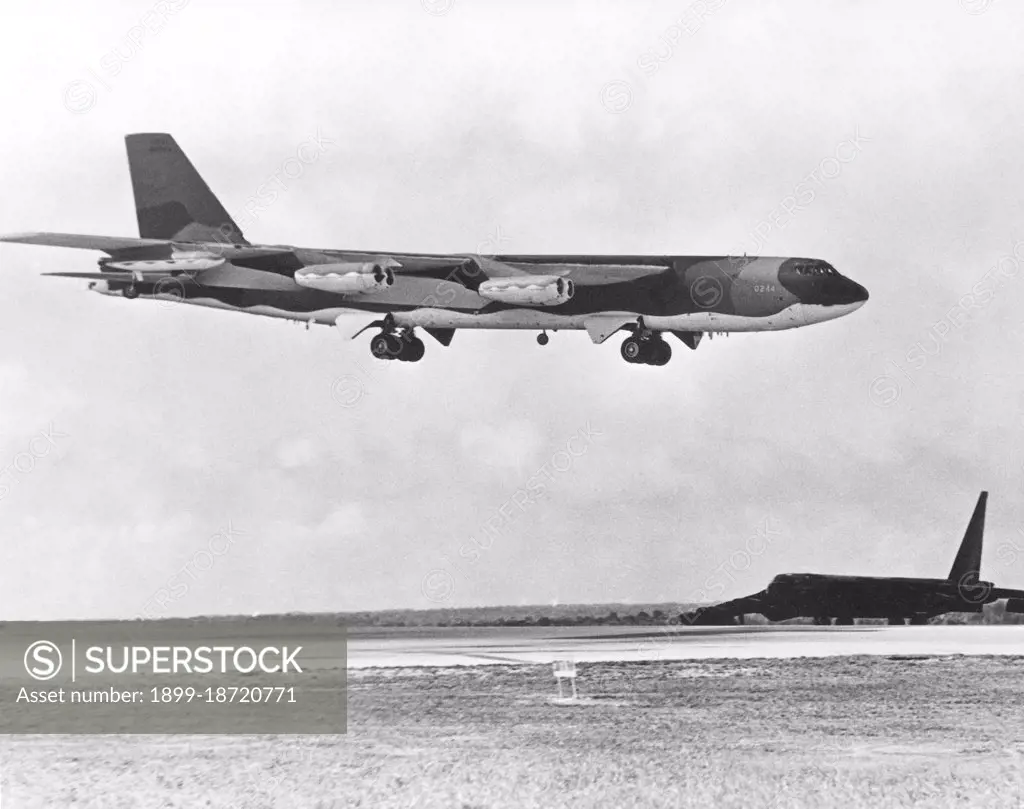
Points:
x=659 y=352
x=894 y=621
x=404 y=346
x=381 y=347
x=822 y=620
x=131 y=293
x=844 y=621
x=542 y=339
x=632 y=350
x=395 y=345
x=412 y=349
x=918 y=620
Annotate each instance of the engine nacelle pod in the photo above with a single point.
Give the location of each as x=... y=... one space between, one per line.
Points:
x=528 y=290
x=180 y=263
x=346 y=278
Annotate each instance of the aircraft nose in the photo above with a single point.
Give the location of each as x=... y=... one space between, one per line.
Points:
x=818 y=283
x=841 y=291
x=858 y=293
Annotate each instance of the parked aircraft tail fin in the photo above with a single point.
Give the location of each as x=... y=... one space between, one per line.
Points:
x=968 y=558
x=171 y=200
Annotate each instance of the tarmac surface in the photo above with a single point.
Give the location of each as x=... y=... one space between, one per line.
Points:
x=374 y=647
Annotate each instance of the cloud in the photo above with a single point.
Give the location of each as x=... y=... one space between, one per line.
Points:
x=510 y=445
x=344 y=522
x=297 y=452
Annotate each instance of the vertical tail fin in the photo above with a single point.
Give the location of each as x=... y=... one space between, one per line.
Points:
x=968 y=558
x=171 y=200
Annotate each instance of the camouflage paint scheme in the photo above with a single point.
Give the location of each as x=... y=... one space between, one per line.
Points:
x=687 y=295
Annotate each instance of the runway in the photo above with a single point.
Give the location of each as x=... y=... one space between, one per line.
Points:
x=372 y=647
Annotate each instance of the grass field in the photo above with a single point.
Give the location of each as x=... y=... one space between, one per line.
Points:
x=844 y=732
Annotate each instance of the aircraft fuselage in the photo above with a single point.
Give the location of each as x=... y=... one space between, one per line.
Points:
x=670 y=293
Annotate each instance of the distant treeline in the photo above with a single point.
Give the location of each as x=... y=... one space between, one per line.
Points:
x=587 y=615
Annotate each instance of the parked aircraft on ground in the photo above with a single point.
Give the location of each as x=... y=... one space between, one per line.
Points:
x=824 y=597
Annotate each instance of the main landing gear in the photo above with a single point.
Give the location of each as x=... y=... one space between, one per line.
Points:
x=131 y=293
x=646 y=348
x=398 y=344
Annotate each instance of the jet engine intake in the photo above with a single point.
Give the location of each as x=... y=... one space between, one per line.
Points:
x=528 y=290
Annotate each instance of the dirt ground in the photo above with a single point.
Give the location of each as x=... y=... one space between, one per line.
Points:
x=846 y=732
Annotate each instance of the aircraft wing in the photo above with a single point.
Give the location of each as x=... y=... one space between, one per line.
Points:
x=724 y=614
x=495 y=269
x=119 y=244
x=469 y=270
x=584 y=274
x=465 y=269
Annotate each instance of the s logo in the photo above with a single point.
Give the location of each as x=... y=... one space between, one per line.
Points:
x=43 y=660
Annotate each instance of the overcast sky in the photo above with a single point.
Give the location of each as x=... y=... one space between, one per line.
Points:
x=242 y=464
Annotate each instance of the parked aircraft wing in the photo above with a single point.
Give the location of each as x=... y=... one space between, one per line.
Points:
x=724 y=614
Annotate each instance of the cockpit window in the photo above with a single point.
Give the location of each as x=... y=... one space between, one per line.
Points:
x=815 y=268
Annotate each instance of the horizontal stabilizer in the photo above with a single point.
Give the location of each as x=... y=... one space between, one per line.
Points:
x=108 y=244
x=93 y=276
x=1015 y=605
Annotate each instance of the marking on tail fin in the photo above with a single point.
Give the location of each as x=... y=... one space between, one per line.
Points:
x=968 y=558
x=172 y=201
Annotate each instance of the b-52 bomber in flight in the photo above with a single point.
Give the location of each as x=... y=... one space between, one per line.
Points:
x=190 y=249
x=900 y=600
